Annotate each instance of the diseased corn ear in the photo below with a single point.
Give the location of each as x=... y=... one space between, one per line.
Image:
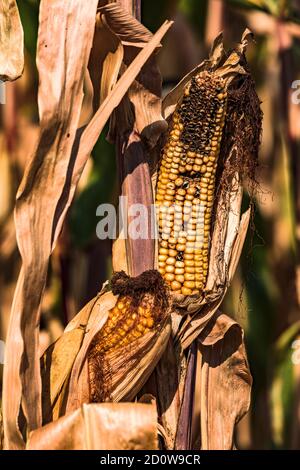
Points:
x=124 y=324
x=186 y=183
x=132 y=329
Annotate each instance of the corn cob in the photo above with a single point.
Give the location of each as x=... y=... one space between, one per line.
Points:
x=142 y=308
x=125 y=324
x=186 y=183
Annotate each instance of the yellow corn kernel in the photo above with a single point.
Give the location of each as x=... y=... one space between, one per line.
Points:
x=186 y=182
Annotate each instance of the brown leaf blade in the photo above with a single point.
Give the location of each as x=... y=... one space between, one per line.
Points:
x=106 y=426
x=100 y=427
x=224 y=369
x=60 y=99
x=90 y=134
x=49 y=185
x=11 y=42
x=105 y=61
x=128 y=28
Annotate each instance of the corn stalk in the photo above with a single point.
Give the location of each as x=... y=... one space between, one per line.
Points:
x=190 y=337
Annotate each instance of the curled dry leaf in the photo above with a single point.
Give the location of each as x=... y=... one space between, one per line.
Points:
x=130 y=31
x=224 y=367
x=105 y=60
x=11 y=42
x=221 y=393
x=100 y=427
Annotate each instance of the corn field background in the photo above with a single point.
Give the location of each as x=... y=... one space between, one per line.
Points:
x=264 y=297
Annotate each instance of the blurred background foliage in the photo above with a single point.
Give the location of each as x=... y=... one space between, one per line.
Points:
x=264 y=296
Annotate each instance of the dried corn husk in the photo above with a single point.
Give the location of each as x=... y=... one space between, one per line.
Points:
x=57 y=363
x=65 y=373
x=224 y=368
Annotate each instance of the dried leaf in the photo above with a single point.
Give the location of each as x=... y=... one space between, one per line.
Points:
x=5 y=181
x=105 y=61
x=111 y=67
x=60 y=99
x=167 y=385
x=119 y=256
x=195 y=324
x=78 y=389
x=224 y=233
x=59 y=358
x=100 y=427
x=225 y=369
x=217 y=52
x=11 y=42
x=107 y=426
x=184 y=424
x=58 y=361
x=239 y=243
x=129 y=29
x=137 y=187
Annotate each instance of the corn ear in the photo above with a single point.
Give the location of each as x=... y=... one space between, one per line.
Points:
x=186 y=183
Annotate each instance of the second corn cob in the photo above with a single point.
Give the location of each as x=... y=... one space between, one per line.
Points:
x=186 y=183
